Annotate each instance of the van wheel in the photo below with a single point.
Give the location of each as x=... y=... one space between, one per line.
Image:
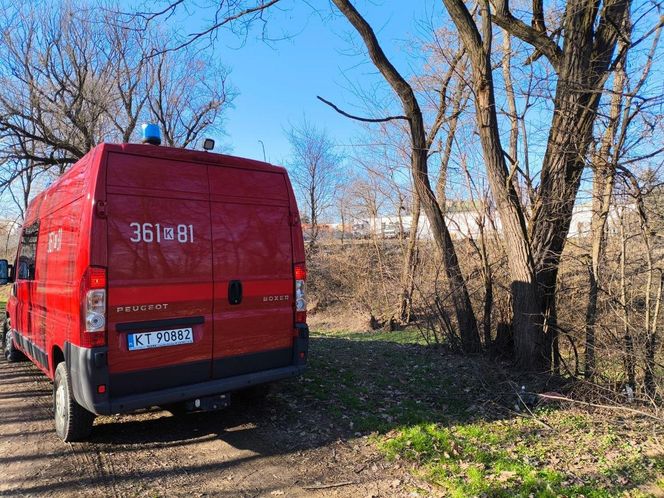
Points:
x=72 y=421
x=12 y=354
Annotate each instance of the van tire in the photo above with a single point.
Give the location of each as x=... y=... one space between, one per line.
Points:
x=12 y=354
x=72 y=421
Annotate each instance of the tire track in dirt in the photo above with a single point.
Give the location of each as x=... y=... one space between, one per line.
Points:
x=101 y=472
x=252 y=449
x=88 y=461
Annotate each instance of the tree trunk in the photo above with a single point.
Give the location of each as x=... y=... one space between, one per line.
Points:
x=528 y=339
x=630 y=368
x=470 y=339
x=603 y=181
x=409 y=266
x=511 y=105
x=651 y=343
x=446 y=153
x=583 y=67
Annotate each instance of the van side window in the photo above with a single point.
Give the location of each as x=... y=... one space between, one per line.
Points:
x=27 y=256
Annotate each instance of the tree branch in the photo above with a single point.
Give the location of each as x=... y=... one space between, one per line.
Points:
x=532 y=35
x=250 y=11
x=359 y=118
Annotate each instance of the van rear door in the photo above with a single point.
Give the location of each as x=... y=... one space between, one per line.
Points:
x=159 y=273
x=253 y=270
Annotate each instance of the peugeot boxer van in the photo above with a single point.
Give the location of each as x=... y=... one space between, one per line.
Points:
x=154 y=276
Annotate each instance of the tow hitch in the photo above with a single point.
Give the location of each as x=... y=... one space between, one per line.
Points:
x=209 y=403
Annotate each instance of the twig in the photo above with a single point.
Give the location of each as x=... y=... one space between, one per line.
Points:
x=597 y=405
x=326 y=486
x=533 y=417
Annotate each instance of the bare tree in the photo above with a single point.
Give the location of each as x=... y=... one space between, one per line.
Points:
x=624 y=109
x=652 y=292
x=420 y=145
x=236 y=16
x=182 y=102
x=582 y=66
x=72 y=80
x=315 y=168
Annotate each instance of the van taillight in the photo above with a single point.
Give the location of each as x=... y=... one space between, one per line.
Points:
x=94 y=308
x=96 y=278
x=300 y=293
x=300 y=272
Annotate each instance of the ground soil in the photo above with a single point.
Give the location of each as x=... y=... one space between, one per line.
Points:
x=277 y=446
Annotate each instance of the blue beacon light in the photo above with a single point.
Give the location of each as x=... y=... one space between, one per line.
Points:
x=151 y=134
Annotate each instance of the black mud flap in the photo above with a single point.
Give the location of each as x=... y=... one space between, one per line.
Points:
x=301 y=345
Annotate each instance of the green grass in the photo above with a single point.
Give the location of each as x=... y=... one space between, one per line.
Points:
x=373 y=382
x=441 y=413
x=518 y=459
x=408 y=336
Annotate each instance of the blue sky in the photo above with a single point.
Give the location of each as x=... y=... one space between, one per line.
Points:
x=278 y=81
x=320 y=54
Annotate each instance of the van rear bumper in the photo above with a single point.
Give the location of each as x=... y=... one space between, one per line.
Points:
x=184 y=393
x=88 y=370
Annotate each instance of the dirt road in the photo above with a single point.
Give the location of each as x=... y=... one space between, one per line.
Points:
x=279 y=446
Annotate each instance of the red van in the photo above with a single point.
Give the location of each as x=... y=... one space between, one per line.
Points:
x=154 y=276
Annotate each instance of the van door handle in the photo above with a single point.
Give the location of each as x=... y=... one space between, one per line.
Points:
x=234 y=292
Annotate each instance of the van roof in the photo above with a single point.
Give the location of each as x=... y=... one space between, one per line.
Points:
x=174 y=153
x=163 y=152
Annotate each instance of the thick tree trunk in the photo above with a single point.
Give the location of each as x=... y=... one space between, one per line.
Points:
x=528 y=339
x=582 y=69
x=582 y=66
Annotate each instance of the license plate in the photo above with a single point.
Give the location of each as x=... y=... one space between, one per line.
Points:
x=159 y=338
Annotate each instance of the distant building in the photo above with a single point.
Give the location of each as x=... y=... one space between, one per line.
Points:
x=464 y=221
x=582 y=217
x=461 y=224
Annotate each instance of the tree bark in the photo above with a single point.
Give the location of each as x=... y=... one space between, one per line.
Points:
x=583 y=68
x=528 y=340
x=582 y=65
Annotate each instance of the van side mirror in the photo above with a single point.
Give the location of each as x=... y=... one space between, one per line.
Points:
x=4 y=272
